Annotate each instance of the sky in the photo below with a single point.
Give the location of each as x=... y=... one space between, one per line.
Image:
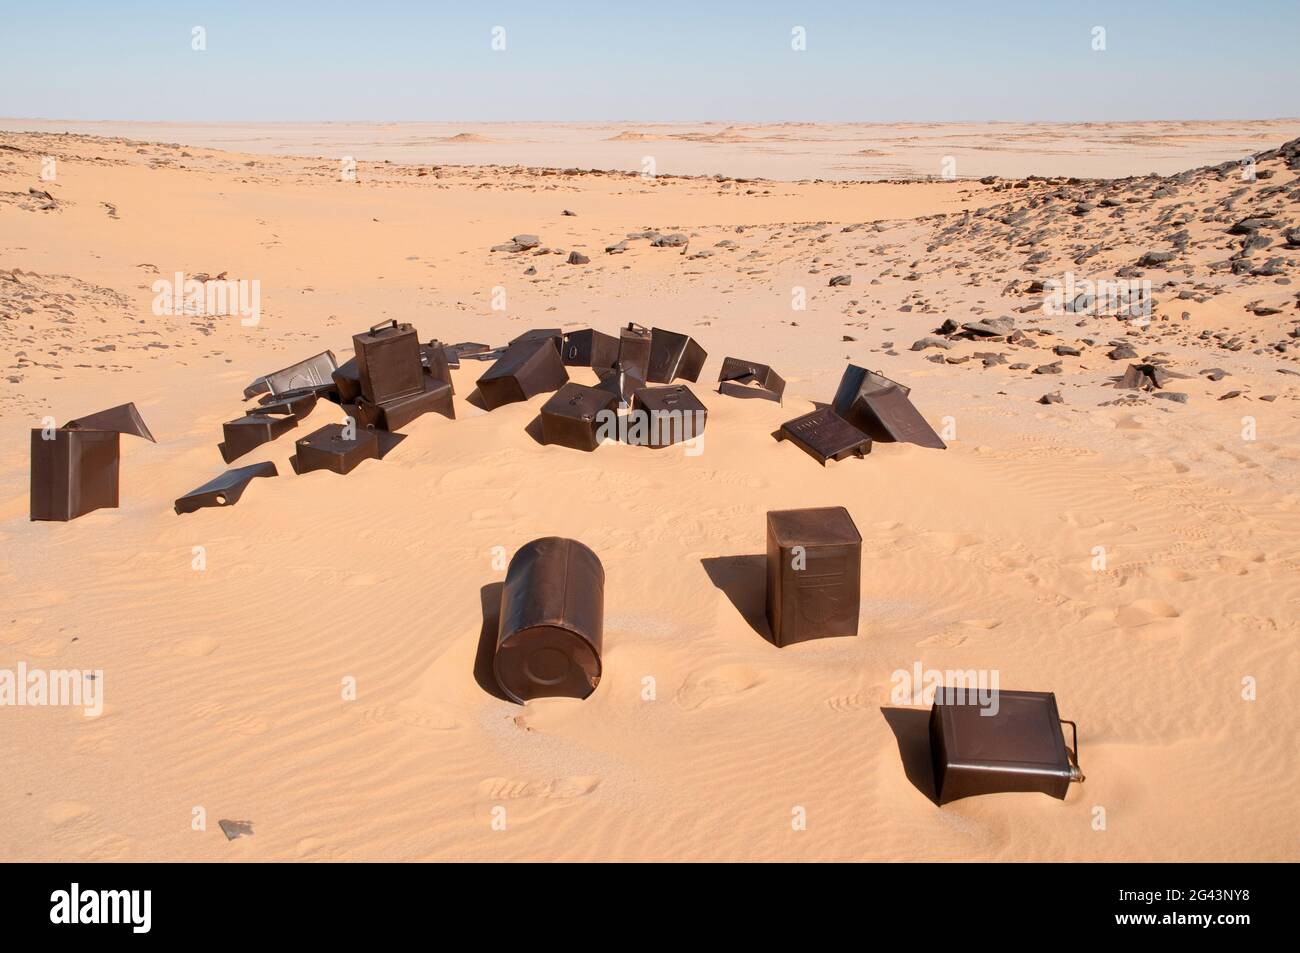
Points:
x=864 y=61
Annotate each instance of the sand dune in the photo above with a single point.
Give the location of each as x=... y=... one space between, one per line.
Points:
x=786 y=151
x=223 y=685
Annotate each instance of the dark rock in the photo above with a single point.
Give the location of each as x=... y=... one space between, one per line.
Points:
x=1152 y=258
x=991 y=327
x=676 y=240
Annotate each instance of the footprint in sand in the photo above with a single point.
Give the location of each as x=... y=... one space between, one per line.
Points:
x=513 y=789
x=525 y=800
x=858 y=701
x=1143 y=612
x=1238 y=563
x=1257 y=623
x=431 y=719
x=718 y=685
x=943 y=640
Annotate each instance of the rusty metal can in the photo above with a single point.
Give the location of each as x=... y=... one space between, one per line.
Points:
x=552 y=621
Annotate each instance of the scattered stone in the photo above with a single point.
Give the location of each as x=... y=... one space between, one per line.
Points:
x=991 y=327
x=1145 y=377
x=1155 y=258
x=676 y=240
x=236 y=829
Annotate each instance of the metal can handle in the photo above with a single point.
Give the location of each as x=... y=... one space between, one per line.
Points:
x=1077 y=773
x=391 y=323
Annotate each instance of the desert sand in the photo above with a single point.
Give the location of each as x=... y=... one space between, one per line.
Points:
x=223 y=685
x=786 y=150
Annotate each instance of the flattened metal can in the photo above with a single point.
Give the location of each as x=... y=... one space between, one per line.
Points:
x=674 y=355
x=525 y=370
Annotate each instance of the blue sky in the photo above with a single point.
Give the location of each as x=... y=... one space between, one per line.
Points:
x=666 y=60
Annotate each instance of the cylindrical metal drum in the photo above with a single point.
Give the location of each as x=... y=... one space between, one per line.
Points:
x=552 y=620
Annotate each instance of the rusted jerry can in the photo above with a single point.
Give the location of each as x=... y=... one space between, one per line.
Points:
x=552 y=620
x=1013 y=742
x=814 y=569
x=388 y=362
